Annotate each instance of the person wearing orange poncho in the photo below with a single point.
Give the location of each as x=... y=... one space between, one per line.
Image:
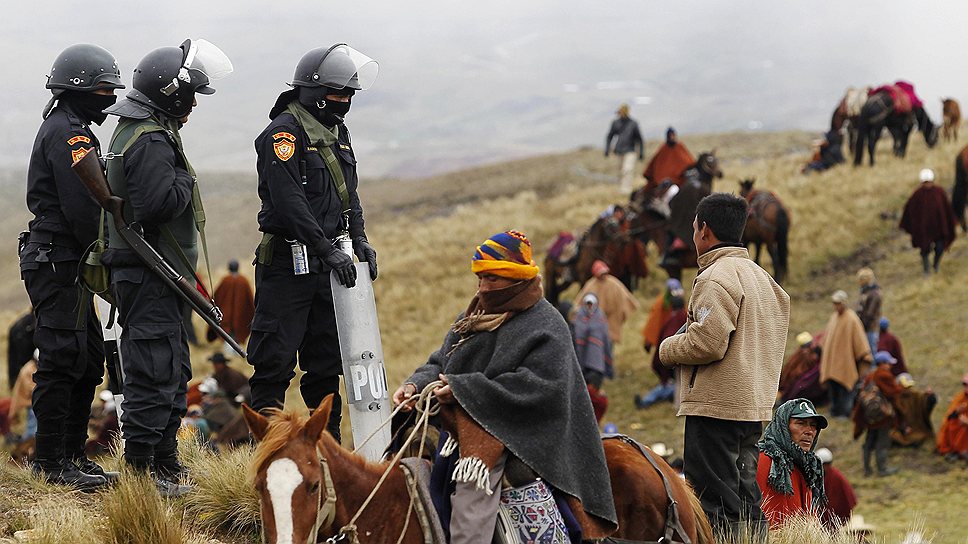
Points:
x=234 y=297
x=953 y=436
x=668 y=162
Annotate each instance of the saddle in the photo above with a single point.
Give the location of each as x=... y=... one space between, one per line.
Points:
x=564 y=249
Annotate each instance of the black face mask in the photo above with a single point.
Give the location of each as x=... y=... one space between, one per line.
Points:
x=88 y=105
x=328 y=112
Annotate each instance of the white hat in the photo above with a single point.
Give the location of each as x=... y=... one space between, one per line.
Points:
x=927 y=174
x=856 y=524
x=824 y=455
x=839 y=296
x=661 y=450
x=106 y=395
x=589 y=298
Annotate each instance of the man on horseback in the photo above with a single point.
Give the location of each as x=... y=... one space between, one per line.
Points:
x=508 y=363
x=729 y=358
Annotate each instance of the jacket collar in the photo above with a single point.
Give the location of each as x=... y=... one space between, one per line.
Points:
x=721 y=251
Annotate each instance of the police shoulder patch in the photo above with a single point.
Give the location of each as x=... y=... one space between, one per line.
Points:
x=78 y=154
x=283 y=136
x=284 y=149
x=78 y=138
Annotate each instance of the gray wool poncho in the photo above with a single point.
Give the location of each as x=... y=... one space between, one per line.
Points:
x=522 y=384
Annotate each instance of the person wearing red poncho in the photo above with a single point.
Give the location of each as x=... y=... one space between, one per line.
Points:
x=929 y=219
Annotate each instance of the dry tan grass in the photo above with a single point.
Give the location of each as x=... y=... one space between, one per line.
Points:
x=224 y=498
x=136 y=514
x=60 y=519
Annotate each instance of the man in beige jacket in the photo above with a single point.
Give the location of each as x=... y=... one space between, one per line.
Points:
x=729 y=357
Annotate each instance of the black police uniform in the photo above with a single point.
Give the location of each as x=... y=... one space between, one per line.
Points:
x=68 y=333
x=154 y=180
x=295 y=313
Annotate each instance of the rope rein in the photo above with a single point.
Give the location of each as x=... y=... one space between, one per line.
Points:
x=427 y=407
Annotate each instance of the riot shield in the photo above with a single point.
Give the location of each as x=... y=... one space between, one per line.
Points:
x=362 y=352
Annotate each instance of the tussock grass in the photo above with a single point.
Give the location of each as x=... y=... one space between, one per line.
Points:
x=224 y=498
x=136 y=514
x=18 y=476
x=62 y=520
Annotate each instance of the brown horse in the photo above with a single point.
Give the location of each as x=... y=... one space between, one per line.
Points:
x=768 y=223
x=296 y=461
x=951 y=112
x=606 y=240
x=648 y=223
x=959 y=193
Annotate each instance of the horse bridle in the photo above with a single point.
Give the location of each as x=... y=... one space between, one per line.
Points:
x=325 y=510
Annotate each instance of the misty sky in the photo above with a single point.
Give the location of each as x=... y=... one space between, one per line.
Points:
x=466 y=82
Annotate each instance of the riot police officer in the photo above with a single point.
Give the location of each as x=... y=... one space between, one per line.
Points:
x=308 y=186
x=148 y=168
x=82 y=80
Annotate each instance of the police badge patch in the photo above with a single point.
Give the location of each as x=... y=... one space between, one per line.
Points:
x=79 y=154
x=284 y=146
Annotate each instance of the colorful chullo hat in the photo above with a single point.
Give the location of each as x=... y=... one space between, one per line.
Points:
x=506 y=254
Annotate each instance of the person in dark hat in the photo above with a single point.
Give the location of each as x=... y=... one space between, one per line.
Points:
x=669 y=161
x=230 y=380
x=789 y=473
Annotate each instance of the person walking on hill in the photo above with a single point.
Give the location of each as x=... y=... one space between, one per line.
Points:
x=669 y=161
x=594 y=349
x=887 y=341
x=614 y=298
x=869 y=305
x=789 y=473
x=930 y=220
x=728 y=358
x=234 y=297
x=70 y=366
x=844 y=355
x=308 y=186
x=878 y=427
x=625 y=132
x=953 y=435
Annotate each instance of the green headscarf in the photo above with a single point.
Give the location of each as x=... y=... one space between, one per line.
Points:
x=778 y=445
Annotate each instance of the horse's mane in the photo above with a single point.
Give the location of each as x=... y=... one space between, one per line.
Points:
x=284 y=426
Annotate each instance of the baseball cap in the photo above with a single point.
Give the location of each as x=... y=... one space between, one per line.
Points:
x=804 y=409
x=884 y=357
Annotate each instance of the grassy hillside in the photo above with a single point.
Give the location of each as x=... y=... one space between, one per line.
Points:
x=425 y=232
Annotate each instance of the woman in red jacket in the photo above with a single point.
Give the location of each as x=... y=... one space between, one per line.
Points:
x=789 y=474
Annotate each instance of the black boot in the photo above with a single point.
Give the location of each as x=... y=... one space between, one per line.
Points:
x=168 y=467
x=63 y=472
x=882 y=468
x=144 y=464
x=925 y=264
x=74 y=446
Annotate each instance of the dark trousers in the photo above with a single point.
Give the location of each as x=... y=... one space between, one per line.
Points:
x=720 y=462
x=294 y=315
x=841 y=402
x=154 y=355
x=938 y=252
x=71 y=362
x=877 y=442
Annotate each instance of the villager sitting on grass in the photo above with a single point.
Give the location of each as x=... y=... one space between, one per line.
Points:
x=914 y=406
x=953 y=436
x=665 y=390
x=841 y=498
x=789 y=473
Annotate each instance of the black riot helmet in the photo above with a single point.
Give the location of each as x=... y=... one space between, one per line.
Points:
x=338 y=67
x=84 y=67
x=167 y=78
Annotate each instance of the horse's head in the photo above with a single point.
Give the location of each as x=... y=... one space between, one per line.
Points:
x=287 y=472
x=746 y=186
x=708 y=164
x=926 y=126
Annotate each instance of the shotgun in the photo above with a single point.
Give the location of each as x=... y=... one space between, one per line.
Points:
x=88 y=169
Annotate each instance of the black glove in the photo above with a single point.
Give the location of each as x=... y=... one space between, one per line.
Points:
x=341 y=263
x=365 y=253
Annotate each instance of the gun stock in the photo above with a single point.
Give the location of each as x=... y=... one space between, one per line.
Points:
x=88 y=169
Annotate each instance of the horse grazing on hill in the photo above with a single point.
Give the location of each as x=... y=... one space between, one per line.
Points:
x=607 y=240
x=951 y=113
x=959 y=193
x=888 y=109
x=669 y=225
x=846 y=113
x=310 y=488
x=768 y=223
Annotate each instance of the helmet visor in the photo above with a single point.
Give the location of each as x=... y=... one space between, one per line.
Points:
x=344 y=67
x=207 y=58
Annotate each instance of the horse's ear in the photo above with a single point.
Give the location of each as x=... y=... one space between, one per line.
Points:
x=317 y=422
x=257 y=422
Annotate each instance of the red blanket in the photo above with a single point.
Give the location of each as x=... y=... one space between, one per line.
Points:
x=928 y=217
